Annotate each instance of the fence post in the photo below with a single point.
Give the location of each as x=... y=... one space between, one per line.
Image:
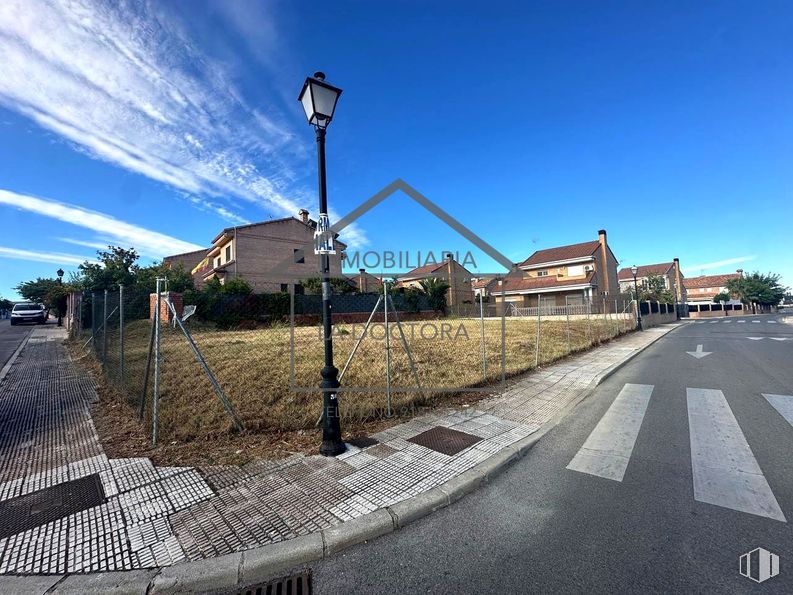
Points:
x=121 y=335
x=482 y=325
x=387 y=349
x=567 y=312
x=537 y=344
x=155 y=407
x=104 y=331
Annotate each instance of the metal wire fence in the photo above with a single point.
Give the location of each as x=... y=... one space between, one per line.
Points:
x=256 y=359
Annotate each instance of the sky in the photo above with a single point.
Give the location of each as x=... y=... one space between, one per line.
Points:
x=154 y=125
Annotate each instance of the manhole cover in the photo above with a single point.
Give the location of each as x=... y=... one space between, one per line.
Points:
x=294 y=584
x=39 y=508
x=445 y=440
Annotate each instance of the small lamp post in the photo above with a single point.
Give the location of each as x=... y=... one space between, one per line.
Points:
x=319 y=102
x=634 y=270
x=59 y=272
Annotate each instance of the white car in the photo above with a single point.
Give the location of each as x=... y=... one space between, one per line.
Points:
x=28 y=313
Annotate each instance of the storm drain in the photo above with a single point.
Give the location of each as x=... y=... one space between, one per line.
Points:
x=294 y=584
x=47 y=505
x=445 y=440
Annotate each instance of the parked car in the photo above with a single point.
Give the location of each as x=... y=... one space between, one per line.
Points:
x=29 y=313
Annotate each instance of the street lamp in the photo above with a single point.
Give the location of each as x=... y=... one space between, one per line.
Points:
x=319 y=102
x=59 y=272
x=634 y=270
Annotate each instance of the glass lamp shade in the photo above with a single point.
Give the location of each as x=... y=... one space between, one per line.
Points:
x=60 y=272
x=319 y=100
x=634 y=270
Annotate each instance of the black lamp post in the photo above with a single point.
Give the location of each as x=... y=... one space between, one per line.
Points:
x=319 y=102
x=59 y=272
x=634 y=270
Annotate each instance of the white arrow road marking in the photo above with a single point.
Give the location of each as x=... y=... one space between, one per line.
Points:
x=725 y=471
x=608 y=449
x=756 y=338
x=699 y=354
x=778 y=338
x=783 y=404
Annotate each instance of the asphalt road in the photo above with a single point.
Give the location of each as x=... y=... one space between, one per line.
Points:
x=541 y=527
x=10 y=338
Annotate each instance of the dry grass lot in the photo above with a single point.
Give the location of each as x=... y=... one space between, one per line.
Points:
x=253 y=367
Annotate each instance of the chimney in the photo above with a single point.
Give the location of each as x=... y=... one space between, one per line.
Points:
x=678 y=281
x=740 y=272
x=362 y=288
x=452 y=289
x=303 y=215
x=604 y=253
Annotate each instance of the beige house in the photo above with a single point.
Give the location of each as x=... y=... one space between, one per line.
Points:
x=451 y=271
x=669 y=272
x=568 y=275
x=252 y=252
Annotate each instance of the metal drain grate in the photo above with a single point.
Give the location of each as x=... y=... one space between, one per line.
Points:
x=445 y=440
x=294 y=584
x=31 y=510
x=362 y=442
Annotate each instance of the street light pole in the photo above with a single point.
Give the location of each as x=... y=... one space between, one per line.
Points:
x=60 y=282
x=319 y=102
x=634 y=270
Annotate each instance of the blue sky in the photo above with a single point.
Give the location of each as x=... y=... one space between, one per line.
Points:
x=155 y=125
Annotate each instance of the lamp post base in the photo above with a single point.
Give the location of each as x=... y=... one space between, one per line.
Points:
x=332 y=444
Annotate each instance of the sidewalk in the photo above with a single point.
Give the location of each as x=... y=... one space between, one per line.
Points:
x=65 y=507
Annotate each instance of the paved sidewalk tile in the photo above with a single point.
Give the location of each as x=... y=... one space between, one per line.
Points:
x=157 y=516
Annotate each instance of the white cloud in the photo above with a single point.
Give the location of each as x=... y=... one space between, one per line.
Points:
x=53 y=257
x=108 y=228
x=126 y=84
x=718 y=264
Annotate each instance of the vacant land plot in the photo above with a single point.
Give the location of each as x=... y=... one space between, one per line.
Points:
x=259 y=369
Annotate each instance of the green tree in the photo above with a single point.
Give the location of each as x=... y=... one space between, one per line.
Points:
x=116 y=266
x=653 y=289
x=721 y=297
x=179 y=279
x=435 y=290
x=757 y=289
x=339 y=285
x=50 y=292
x=6 y=304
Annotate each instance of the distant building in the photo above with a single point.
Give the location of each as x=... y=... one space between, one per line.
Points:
x=702 y=289
x=366 y=282
x=451 y=271
x=251 y=252
x=669 y=272
x=566 y=275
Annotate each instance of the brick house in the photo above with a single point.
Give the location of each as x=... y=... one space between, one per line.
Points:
x=251 y=251
x=484 y=286
x=451 y=271
x=366 y=282
x=187 y=260
x=669 y=272
x=702 y=289
x=566 y=275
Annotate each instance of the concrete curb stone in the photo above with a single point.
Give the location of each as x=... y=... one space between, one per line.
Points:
x=363 y=528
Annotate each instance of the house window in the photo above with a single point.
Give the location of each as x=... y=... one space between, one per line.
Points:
x=575 y=271
x=702 y=290
x=284 y=287
x=299 y=257
x=228 y=253
x=217 y=262
x=542 y=273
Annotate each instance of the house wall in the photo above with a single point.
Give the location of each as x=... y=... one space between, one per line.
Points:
x=258 y=250
x=575 y=271
x=606 y=268
x=188 y=260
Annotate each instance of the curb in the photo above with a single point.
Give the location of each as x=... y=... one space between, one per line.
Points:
x=7 y=368
x=233 y=572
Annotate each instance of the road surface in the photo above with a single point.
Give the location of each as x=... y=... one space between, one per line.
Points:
x=658 y=482
x=10 y=339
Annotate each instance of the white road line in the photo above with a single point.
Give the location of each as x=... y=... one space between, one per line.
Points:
x=608 y=449
x=783 y=404
x=727 y=321
x=741 y=321
x=778 y=338
x=715 y=322
x=771 y=321
x=757 y=321
x=756 y=338
x=725 y=471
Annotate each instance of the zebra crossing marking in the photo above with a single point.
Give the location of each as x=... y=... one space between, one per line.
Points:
x=725 y=471
x=783 y=404
x=607 y=451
